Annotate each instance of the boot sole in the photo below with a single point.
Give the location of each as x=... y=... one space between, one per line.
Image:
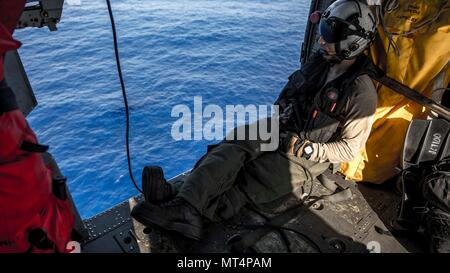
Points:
x=146 y=217
x=152 y=181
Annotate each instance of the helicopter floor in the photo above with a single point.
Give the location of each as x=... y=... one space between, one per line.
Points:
x=355 y=225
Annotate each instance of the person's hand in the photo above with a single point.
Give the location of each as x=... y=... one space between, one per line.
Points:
x=293 y=144
x=298 y=147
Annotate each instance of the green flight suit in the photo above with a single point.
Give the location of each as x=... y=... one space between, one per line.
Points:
x=237 y=171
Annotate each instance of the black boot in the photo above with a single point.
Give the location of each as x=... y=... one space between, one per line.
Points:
x=154 y=185
x=175 y=215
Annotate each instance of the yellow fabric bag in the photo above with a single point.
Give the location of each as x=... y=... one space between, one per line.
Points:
x=423 y=65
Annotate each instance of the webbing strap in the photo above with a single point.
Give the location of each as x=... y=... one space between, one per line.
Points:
x=338 y=194
x=33 y=147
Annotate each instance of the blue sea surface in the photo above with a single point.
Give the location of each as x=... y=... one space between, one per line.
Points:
x=228 y=52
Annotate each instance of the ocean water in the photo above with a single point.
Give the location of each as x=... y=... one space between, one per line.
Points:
x=228 y=52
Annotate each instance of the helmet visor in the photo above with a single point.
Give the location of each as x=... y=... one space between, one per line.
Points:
x=330 y=30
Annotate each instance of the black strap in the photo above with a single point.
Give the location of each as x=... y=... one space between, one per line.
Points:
x=33 y=147
x=59 y=188
x=7 y=98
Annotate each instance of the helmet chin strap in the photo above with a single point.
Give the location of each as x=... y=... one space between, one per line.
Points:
x=335 y=59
